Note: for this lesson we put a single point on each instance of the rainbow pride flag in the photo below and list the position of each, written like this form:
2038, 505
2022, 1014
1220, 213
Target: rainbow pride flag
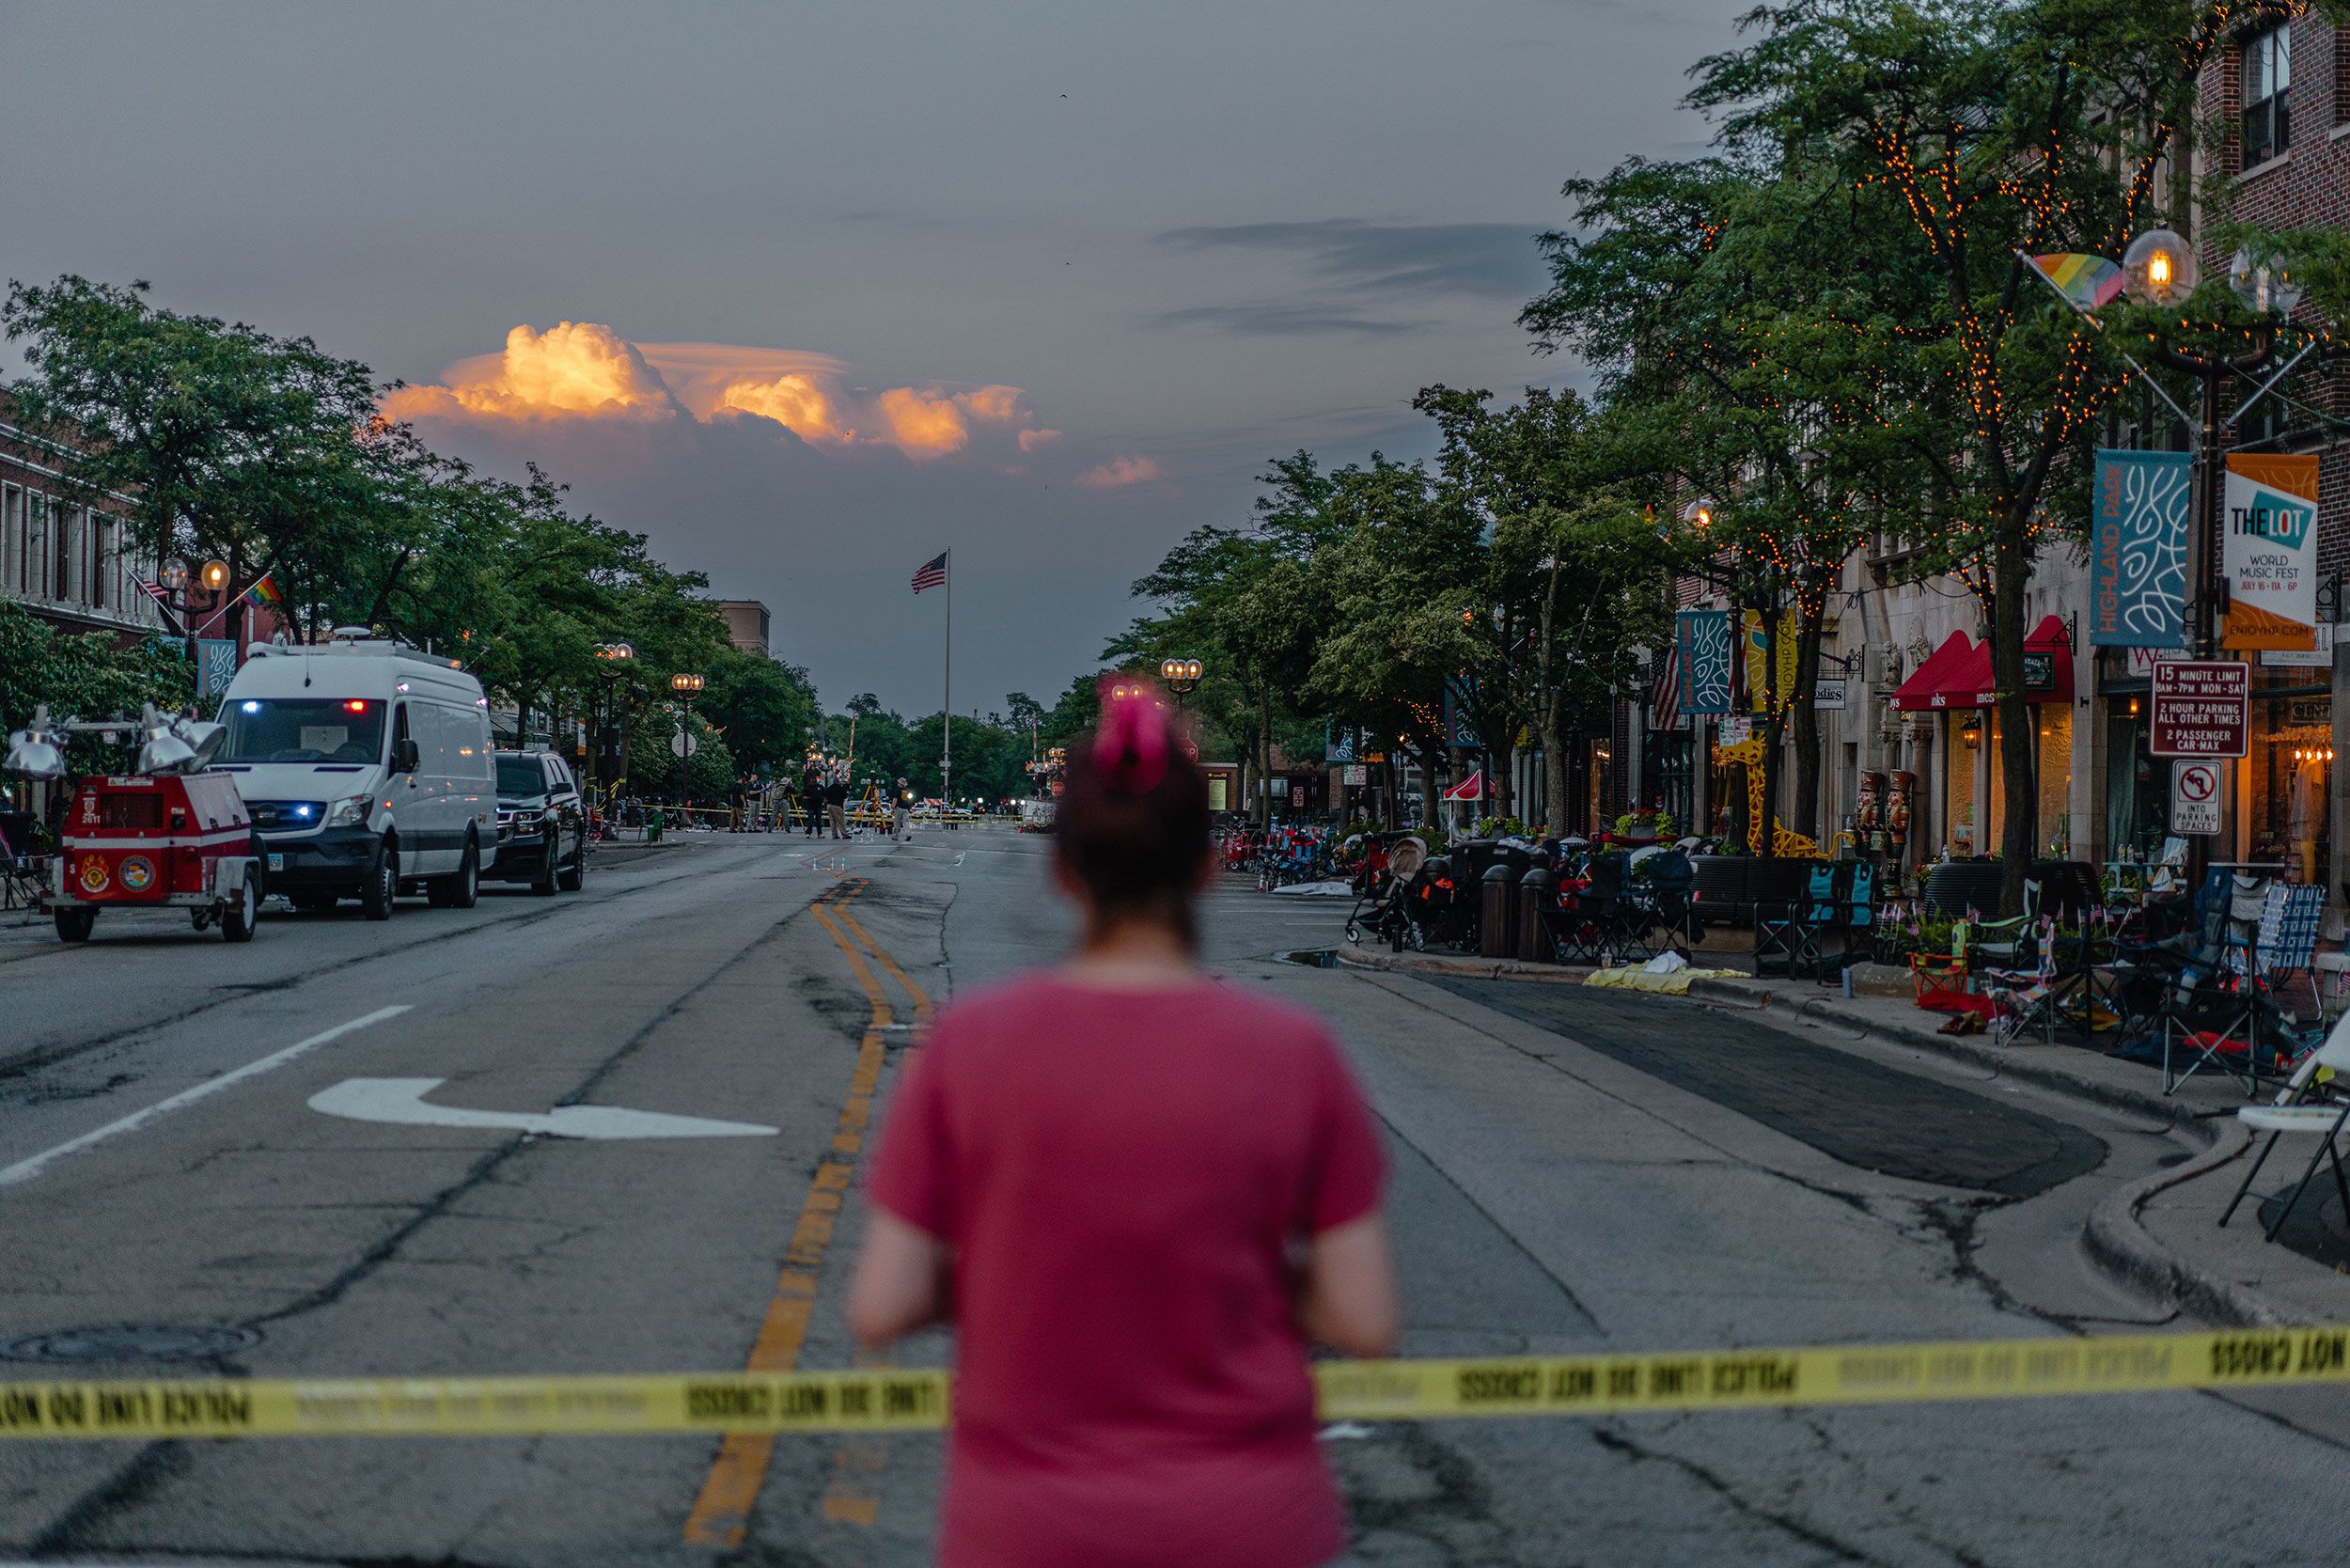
2090, 282
264, 594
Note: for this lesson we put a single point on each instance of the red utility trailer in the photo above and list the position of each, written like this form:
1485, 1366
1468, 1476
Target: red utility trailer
178, 840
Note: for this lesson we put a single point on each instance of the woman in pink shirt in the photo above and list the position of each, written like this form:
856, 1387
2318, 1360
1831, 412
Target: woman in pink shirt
1139, 1195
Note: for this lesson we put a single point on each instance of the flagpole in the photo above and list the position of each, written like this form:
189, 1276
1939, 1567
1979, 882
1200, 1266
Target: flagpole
946, 716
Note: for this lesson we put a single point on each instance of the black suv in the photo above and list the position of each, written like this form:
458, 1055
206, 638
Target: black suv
542, 827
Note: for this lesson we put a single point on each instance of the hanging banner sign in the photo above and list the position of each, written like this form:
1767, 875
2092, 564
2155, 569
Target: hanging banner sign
1758, 651
1460, 712
2137, 550
1704, 644
2270, 551
216, 664
2201, 708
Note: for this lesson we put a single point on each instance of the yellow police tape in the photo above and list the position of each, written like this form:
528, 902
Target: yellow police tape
888, 1400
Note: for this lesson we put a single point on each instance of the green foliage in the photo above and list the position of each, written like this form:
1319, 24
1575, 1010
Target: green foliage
86, 675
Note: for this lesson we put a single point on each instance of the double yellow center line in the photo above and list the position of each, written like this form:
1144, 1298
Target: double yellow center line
721, 1514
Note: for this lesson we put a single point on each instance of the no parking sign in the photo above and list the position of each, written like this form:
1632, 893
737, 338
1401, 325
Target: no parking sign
2195, 786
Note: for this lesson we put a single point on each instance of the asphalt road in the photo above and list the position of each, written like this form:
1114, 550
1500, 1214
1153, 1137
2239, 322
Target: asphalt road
1572, 1172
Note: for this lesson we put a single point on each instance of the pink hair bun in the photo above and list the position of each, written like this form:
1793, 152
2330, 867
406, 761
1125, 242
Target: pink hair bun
1132, 746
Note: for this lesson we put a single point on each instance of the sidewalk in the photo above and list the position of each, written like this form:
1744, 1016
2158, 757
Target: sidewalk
2159, 1236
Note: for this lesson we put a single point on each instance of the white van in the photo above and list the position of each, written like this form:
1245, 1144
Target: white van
367, 768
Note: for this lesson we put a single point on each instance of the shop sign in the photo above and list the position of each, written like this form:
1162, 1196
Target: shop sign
2270, 553
2137, 550
2319, 657
2196, 783
2143, 660
2201, 708
2040, 669
1827, 693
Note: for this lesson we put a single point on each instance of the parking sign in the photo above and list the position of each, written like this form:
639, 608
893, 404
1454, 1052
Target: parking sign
2195, 786
2201, 708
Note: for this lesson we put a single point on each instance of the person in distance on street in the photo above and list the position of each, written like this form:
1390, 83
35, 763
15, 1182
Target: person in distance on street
902, 811
1138, 1195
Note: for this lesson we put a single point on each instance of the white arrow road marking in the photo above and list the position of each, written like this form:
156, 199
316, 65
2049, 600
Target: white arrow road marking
400, 1101
959, 857
24, 1171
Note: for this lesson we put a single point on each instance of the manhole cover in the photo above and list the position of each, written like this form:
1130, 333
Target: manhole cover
130, 1341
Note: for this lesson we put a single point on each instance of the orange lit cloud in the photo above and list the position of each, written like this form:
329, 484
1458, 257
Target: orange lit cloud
586, 371
1119, 472
573, 367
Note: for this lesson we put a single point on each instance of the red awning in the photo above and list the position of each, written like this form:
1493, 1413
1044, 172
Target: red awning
1969, 684
1924, 687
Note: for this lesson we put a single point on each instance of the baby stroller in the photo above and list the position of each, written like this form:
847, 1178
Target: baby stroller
1379, 905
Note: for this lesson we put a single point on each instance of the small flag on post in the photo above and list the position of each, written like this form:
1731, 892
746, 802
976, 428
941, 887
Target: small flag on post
263, 594
930, 574
2090, 282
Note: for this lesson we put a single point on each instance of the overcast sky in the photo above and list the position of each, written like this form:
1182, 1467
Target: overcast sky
811, 293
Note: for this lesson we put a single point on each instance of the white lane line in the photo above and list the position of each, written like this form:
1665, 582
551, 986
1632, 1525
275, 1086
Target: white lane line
25, 1170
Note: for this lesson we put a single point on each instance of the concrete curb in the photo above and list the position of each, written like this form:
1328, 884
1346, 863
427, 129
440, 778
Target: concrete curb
2122, 1247
1461, 967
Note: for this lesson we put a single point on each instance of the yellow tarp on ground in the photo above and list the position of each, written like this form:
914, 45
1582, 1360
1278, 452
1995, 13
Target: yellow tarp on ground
1674, 985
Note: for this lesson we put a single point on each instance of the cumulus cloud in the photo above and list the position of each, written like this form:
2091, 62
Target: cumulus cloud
1119, 472
1032, 440
571, 369
586, 371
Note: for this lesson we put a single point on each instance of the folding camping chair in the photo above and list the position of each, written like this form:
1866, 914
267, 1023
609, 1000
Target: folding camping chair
2292, 1113
1596, 924
2196, 1001
1668, 903
2287, 941
2028, 997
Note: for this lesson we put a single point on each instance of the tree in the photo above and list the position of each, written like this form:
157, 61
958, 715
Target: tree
1999, 130
1751, 324
226, 441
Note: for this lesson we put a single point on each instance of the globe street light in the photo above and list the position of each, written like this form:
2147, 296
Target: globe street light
1181, 676
687, 687
613, 661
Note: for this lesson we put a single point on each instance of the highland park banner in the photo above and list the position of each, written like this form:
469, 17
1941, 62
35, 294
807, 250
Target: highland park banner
1705, 658
2137, 550
2270, 554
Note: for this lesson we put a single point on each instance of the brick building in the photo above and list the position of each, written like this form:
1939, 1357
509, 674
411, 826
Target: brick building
74, 566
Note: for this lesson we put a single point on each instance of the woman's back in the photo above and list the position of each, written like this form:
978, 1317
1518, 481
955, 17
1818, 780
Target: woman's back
1121, 1177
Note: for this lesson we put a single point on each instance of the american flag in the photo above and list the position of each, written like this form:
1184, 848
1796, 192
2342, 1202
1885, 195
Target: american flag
153, 591
930, 574
1664, 702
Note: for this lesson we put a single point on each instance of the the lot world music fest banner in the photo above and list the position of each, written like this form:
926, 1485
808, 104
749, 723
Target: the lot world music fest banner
2269, 525
2137, 550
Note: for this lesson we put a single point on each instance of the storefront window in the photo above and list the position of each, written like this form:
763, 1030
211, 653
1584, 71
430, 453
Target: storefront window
2138, 784
2291, 769
1958, 796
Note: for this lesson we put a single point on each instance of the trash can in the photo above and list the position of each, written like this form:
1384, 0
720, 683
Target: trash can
1497, 910
1537, 890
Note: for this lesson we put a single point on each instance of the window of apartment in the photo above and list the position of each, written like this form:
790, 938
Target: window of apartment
11, 540
63, 519
97, 562
36, 545
2268, 94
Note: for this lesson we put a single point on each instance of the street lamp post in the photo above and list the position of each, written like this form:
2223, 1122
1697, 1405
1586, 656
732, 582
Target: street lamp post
687, 687
613, 662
